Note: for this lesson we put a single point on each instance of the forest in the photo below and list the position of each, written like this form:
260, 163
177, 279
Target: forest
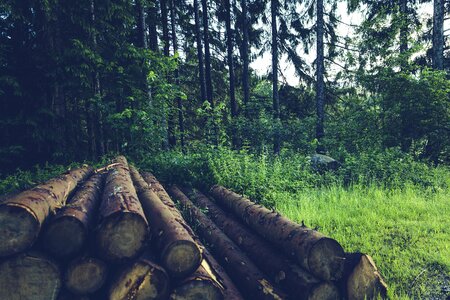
244, 94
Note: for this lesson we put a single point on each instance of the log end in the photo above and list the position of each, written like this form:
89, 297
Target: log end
19, 228
85, 276
326, 259
197, 289
122, 236
325, 291
29, 276
365, 282
181, 258
141, 280
64, 237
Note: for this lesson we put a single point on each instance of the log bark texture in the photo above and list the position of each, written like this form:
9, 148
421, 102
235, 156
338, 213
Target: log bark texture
144, 279
202, 284
361, 278
179, 254
299, 283
85, 275
252, 282
123, 229
29, 276
215, 270
318, 254
67, 232
22, 215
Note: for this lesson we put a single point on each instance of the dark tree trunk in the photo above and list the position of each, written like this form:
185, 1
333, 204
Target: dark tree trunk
318, 254
438, 35
201, 66
208, 79
176, 75
22, 215
320, 84
141, 27
152, 26
275, 96
167, 120
233, 103
403, 4
245, 59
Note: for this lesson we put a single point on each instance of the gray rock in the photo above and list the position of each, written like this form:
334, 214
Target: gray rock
320, 162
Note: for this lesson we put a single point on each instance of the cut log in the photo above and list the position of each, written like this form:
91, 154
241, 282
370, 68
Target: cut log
318, 254
179, 254
202, 284
22, 215
299, 283
215, 270
143, 279
85, 275
67, 232
251, 281
361, 278
29, 276
123, 227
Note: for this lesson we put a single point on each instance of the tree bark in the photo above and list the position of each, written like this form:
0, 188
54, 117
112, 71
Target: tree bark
177, 74
318, 254
216, 271
141, 27
361, 278
296, 281
275, 96
245, 59
320, 84
152, 28
404, 27
208, 79
22, 215
201, 66
29, 276
85, 275
246, 275
438, 35
166, 120
67, 232
179, 254
123, 229
143, 279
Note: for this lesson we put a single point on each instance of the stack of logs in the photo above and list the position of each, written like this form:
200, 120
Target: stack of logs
116, 233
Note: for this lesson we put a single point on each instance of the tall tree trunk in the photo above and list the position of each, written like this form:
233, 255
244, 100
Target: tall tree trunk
320, 84
176, 75
438, 35
165, 29
141, 36
275, 97
245, 78
403, 4
201, 66
152, 28
233, 103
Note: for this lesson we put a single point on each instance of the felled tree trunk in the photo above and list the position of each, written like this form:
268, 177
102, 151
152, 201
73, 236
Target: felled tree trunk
179, 254
68, 230
22, 215
299, 283
361, 278
320, 255
29, 276
85, 275
253, 284
144, 279
123, 227
214, 270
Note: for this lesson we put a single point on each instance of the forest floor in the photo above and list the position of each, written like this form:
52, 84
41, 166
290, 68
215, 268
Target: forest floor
394, 209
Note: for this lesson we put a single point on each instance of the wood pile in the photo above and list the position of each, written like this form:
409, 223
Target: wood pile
119, 234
